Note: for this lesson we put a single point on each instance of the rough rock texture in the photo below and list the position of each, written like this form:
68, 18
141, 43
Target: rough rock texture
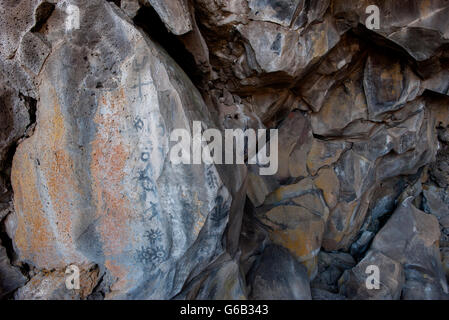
406, 251
85, 178
52, 286
223, 280
277, 275
101, 189
10, 277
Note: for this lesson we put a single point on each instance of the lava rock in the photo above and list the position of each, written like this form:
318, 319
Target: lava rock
279, 276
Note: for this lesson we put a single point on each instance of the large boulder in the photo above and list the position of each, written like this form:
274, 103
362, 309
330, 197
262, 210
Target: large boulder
95, 184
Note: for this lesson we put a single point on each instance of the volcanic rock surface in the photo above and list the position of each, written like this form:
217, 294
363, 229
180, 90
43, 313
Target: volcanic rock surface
90, 91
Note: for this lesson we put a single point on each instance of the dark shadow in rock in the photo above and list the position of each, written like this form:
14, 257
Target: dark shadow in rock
149, 21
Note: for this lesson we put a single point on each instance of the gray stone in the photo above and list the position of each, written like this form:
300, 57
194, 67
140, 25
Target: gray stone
345, 104
52, 286
14, 119
130, 7
85, 118
18, 18
10, 277
222, 282
436, 202
275, 47
331, 266
419, 28
279, 276
407, 254
33, 51
353, 282
319, 294
174, 13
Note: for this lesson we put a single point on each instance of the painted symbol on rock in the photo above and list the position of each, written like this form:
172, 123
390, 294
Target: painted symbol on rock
145, 156
211, 179
138, 124
138, 68
151, 210
153, 236
221, 210
146, 182
151, 257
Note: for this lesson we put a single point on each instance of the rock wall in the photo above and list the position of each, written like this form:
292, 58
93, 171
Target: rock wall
90, 91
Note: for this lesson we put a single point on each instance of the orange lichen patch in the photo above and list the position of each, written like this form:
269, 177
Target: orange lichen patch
296, 229
303, 241
43, 158
392, 74
199, 217
328, 182
121, 273
60, 178
109, 155
289, 191
425, 7
33, 238
299, 231
338, 224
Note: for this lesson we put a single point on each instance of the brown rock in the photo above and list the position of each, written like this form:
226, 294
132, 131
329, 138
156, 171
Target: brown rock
173, 8
294, 138
388, 85
323, 153
345, 104
298, 229
353, 282
328, 182
52, 286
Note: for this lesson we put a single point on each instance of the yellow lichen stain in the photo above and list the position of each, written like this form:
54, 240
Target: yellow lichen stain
319, 41
300, 242
425, 7
296, 229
